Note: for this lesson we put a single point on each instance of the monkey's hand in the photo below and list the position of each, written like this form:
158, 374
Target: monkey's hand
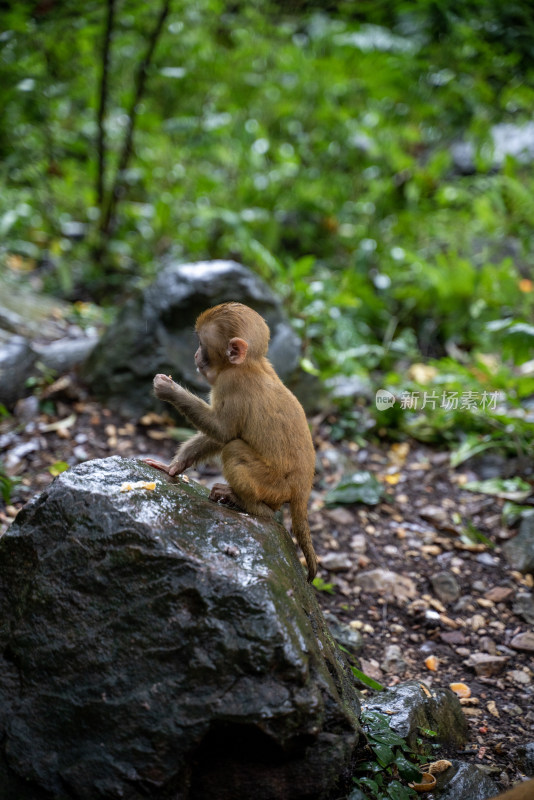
166, 389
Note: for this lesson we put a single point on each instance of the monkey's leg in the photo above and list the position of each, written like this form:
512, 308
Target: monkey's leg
254, 486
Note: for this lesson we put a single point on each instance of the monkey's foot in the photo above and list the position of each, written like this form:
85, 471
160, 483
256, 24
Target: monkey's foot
157, 464
222, 493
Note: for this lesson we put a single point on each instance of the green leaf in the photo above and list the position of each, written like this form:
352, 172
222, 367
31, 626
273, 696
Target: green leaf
367, 680
57, 468
511, 513
322, 586
472, 535
360, 487
397, 791
407, 770
507, 488
384, 754
471, 446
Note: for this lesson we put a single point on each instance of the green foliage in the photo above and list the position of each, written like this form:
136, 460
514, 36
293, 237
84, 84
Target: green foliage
323, 586
360, 487
7, 484
392, 767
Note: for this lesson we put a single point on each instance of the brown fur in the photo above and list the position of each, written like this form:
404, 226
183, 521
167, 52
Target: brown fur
522, 791
253, 422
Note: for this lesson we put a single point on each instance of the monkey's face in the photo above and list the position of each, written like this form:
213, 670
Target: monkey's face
204, 364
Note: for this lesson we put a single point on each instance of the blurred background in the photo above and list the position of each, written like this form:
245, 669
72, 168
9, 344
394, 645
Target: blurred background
372, 161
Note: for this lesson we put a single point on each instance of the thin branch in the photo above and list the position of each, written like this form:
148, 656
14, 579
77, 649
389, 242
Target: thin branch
102, 106
126, 152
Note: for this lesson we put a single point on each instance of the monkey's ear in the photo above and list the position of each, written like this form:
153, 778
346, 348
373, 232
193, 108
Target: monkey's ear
236, 350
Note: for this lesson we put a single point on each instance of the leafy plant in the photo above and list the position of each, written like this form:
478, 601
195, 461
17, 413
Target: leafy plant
7, 484
391, 767
323, 586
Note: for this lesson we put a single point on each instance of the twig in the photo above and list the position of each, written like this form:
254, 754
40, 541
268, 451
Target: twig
126, 152
104, 91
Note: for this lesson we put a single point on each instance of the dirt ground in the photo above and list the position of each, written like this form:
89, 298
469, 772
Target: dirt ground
415, 532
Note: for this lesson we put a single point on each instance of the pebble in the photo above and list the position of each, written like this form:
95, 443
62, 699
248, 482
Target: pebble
523, 641
477, 622
336, 562
485, 664
519, 676
445, 586
384, 581
524, 607
358, 543
393, 660
499, 594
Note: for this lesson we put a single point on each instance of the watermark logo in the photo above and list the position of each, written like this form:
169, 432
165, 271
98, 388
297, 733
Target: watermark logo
384, 399
448, 400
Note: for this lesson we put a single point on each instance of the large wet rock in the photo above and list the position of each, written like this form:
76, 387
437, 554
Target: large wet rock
412, 707
155, 644
464, 782
154, 332
17, 361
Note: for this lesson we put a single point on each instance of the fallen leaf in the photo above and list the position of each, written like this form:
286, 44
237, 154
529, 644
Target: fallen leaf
68, 422
460, 689
431, 663
492, 708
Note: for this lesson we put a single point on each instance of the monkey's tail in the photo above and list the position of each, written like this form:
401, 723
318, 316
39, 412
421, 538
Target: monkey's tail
301, 530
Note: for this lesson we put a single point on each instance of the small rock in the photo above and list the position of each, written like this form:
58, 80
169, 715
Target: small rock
433, 514
340, 516
337, 562
519, 551
393, 661
488, 645
519, 676
453, 637
487, 560
524, 607
371, 668
358, 543
27, 408
390, 584
477, 622
486, 664
513, 710
80, 453
499, 594
523, 641
346, 635
445, 586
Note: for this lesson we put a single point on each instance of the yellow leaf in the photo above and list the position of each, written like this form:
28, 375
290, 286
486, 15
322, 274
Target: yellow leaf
431, 663
460, 689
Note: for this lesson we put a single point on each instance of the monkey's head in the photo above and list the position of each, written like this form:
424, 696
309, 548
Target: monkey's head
229, 334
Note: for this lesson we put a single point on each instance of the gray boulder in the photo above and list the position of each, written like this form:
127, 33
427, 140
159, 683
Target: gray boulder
155, 644
154, 332
464, 782
17, 361
414, 710
519, 551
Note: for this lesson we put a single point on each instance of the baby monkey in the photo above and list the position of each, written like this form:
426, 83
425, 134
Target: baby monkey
252, 421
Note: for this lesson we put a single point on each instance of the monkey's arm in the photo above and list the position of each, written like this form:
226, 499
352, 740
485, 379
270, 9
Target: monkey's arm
198, 449
197, 411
